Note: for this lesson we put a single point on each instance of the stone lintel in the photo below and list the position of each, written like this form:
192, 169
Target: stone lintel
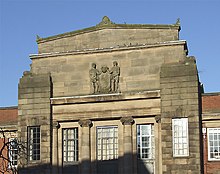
105, 97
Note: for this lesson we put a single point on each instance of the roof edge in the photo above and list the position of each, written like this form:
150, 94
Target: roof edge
106, 23
8, 107
211, 94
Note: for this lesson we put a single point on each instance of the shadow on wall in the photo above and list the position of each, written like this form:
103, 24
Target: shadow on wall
116, 166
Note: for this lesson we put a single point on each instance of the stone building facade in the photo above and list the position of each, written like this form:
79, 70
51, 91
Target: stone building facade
113, 98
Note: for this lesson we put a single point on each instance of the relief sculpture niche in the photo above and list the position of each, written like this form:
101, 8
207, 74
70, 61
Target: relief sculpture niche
105, 80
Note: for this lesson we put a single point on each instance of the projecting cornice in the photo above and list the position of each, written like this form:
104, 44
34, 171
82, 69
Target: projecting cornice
106, 23
110, 49
105, 97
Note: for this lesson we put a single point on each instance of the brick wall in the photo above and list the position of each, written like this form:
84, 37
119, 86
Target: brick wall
211, 119
211, 102
8, 115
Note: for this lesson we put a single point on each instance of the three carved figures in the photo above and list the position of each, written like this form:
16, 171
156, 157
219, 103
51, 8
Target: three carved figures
105, 80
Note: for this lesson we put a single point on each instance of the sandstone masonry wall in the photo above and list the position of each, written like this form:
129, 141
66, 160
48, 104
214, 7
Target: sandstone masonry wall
139, 68
34, 110
180, 99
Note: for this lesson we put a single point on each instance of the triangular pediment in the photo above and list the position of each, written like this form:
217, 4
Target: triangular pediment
108, 34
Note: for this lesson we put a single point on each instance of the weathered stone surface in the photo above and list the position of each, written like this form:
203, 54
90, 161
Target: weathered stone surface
180, 98
108, 35
34, 104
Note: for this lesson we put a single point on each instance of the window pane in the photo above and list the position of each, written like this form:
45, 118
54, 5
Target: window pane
214, 143
13, 152
34, 142
180, 137
145, 141
70, 145
107, 143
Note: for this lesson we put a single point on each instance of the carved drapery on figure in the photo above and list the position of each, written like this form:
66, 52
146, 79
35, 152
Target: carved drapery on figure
105, 80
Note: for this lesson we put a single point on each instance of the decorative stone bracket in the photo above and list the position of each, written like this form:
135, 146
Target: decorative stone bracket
56, 125
85, 123
127, 120
158, 118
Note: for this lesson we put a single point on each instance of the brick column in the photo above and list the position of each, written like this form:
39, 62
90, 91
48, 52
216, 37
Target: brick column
55, 164
128, 153
85, 146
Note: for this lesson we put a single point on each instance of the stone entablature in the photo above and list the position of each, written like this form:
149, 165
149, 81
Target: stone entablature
106, 106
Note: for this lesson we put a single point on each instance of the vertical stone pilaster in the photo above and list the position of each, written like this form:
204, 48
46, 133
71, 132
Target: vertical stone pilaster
85, 146
128, 153
55, 165
158, 145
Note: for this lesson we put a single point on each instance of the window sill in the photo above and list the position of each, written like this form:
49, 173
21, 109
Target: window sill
34, 162
213, 160
70, 163
187, 156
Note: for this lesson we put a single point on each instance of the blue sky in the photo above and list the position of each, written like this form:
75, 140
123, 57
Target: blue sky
22, 20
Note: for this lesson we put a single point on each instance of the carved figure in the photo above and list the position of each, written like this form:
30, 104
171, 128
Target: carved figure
94, 78
115, 73
105, 80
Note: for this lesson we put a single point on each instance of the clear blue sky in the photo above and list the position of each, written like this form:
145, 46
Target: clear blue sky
22, 20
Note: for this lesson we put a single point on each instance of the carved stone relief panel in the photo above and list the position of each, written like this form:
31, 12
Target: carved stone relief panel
104, 80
